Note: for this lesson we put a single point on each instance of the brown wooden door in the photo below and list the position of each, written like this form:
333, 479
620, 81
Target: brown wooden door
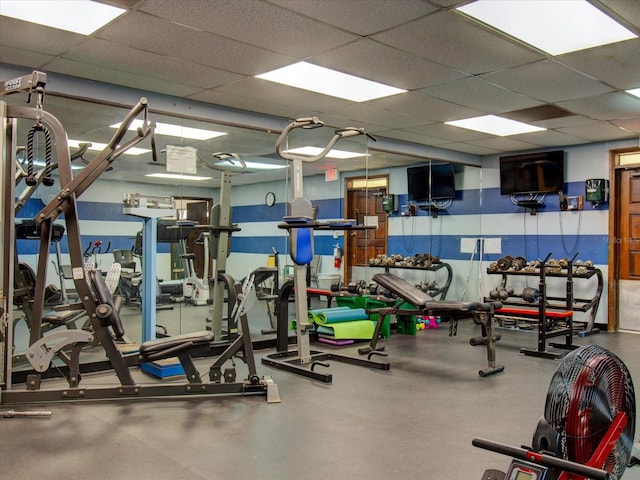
199, 212
361, 245
627, 249
629, 253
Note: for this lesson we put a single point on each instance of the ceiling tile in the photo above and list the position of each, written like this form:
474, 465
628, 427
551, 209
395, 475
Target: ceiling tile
15, 56
299, 102
547, 80
263, 25
597, 131
108, 54
469, 148
605, 107
448, 132
379, 62
35, 38
550, 138
413, 137
537, 114
627, 11
570, 121
504, 144
617, 64
425, 107
376, 114
363, 17
632, 125
228, 99
116, 77
448, 38
481, 95
146, 32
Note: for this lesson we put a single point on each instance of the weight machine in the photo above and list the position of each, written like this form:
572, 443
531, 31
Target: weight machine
95, 298
300, 224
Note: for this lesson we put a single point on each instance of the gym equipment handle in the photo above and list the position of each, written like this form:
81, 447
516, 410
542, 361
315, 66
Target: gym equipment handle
541, 459
126, 123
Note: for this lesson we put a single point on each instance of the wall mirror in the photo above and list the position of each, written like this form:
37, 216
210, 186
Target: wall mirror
110, 235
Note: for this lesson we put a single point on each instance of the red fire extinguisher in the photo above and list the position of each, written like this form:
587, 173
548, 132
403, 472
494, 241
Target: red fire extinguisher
337, 256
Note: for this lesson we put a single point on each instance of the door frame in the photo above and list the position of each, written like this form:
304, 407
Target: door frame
347, 264
613, 307
181, 203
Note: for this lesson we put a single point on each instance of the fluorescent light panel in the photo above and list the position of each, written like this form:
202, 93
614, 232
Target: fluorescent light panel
313, 151
254, 165
172, 130
77, 16
175, 176
634, 91
554, 26
40, 163
495, 125
329, 82
101, 146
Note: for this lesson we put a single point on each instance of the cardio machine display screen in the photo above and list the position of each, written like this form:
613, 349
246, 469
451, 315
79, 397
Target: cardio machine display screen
520, 470
520, 475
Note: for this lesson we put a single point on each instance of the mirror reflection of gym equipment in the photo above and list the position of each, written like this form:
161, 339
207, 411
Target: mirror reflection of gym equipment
96, 298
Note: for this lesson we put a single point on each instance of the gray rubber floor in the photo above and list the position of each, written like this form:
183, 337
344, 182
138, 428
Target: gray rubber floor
415, 421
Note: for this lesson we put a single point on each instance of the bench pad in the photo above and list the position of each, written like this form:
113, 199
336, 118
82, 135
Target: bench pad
161, 344
418, 298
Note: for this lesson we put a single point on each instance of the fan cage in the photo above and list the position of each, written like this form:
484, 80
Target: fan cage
589, 388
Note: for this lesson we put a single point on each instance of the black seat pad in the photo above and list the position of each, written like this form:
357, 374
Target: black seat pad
161, 344
418, 298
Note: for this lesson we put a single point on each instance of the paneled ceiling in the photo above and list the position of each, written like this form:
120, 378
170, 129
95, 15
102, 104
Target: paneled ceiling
210, 51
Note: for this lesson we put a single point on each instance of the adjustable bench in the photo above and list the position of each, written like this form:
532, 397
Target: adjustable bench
453, 311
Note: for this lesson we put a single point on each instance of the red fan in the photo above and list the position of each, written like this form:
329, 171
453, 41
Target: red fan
588, 424
591, 404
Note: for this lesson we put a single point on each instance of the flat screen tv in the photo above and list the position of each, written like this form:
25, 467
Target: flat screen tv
532, 173
435, 182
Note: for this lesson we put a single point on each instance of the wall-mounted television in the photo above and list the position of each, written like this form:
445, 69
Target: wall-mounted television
541, 172
435, 182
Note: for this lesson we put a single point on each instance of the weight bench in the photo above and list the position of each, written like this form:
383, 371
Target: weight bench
482, 313
181, 346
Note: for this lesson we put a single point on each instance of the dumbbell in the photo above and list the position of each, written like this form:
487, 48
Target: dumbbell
530, 294
519, 263
356, 287
501, 293
505, 262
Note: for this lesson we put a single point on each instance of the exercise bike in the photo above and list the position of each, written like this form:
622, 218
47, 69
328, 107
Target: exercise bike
588, 424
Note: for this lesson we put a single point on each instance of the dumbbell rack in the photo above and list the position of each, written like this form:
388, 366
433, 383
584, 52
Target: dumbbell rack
562, 308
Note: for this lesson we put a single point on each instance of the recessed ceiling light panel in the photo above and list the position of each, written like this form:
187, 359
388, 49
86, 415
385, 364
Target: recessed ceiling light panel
257, 165
175, 176
495, 125
179, 131
553, 26
313, 151
101, 146
329, 82
77, 16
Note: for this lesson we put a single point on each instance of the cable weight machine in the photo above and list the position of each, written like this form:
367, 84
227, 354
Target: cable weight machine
95, 298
